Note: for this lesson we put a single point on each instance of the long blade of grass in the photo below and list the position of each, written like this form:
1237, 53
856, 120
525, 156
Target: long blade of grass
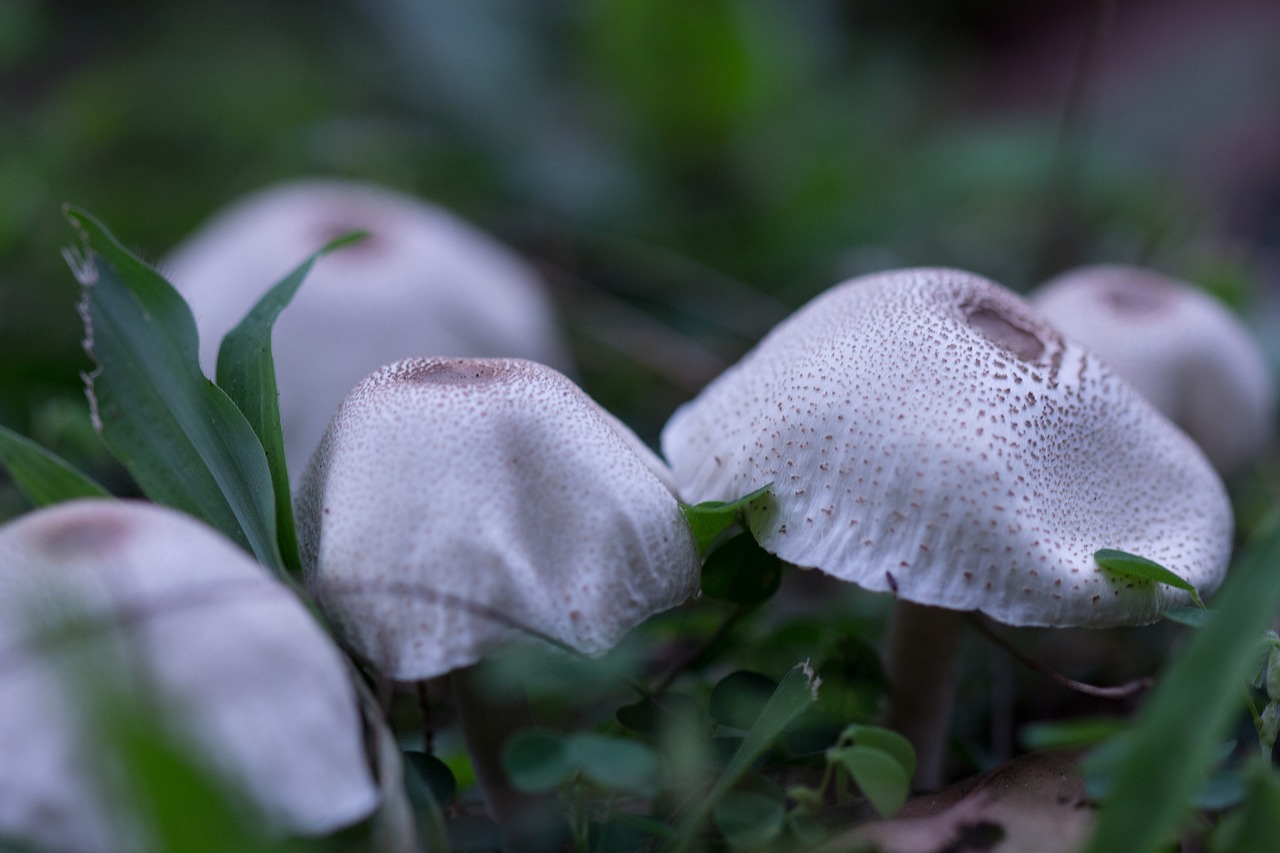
1189, 714
247, 372
797, 691
181, 436
43, 476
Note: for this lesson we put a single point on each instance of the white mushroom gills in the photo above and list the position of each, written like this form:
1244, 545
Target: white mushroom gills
926, 432
456, 504
253, 682
424, 281
1184, 351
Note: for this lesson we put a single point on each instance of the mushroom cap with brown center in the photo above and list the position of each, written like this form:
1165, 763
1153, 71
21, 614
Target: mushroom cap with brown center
423, 281
175, 612
926, 430
1181, 349
457, 504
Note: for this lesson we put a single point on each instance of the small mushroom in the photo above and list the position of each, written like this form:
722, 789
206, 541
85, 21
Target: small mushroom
1180, 348
927, 433
454, 503
241, 670
422, 281
458, 505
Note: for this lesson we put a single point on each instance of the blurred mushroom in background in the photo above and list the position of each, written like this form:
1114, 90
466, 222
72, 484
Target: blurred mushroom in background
423, 281
1185, 352
104, 600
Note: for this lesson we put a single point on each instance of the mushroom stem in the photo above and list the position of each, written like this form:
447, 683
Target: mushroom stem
921, 654
488, 719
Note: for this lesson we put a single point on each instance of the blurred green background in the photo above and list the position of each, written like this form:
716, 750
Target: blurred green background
684, 172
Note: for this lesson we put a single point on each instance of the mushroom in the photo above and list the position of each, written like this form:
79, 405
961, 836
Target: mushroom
927, 433
1180, 348
422, 281
457, 505
242, 673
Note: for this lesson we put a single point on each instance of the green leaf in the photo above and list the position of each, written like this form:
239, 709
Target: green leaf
1190, 712
878, 774
44, 477
246, 371
179, 435
435, 774
1193, 617
619, 764
741, 571
1254, 826
1140, 568
711, 518
739, 697
536, 760
650, 716
796, 693
885, 740
749, 818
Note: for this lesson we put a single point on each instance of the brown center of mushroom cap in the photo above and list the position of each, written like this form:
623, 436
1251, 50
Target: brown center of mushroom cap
1006, 331
331, 229
1136, 297
455, 371
83, 534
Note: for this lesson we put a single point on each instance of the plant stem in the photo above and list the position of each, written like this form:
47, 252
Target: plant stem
1119, 691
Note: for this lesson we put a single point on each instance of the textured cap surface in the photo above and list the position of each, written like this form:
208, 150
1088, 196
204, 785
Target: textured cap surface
1182, 350
927, 425
453, 502
248, 674
424, 281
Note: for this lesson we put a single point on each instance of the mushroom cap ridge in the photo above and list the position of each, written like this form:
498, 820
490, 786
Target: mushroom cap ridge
926, 430
1184, 351
454, 501
251, 678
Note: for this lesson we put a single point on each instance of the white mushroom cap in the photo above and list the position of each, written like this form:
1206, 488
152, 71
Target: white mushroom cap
251, 679
423, 281
453, 502
1180, 348
929, 426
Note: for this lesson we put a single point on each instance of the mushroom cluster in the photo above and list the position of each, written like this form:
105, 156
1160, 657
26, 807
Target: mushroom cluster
167, 608
422, 281
926, 433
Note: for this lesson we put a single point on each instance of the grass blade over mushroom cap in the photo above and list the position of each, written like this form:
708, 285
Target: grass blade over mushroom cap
925, 429
454, 503
250, 679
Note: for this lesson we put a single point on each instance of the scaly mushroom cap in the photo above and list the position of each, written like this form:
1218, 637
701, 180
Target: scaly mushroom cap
249, 676
423, 281
1181, 349
455, 502
926, 428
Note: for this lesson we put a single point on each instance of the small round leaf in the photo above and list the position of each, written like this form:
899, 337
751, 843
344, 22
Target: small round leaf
435, 774
615, 763
741, 571
536, 760
883, 781
749, 818
739, 697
